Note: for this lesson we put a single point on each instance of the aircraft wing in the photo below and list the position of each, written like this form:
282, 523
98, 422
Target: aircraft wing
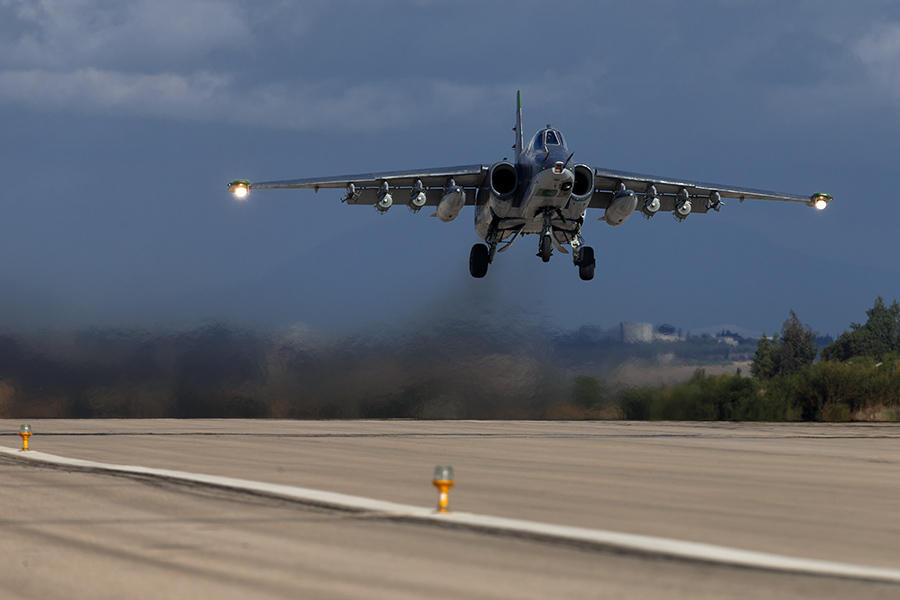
607, 181
366, 186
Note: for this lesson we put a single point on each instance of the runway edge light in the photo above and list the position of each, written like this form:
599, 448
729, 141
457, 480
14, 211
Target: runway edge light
443, 481
25, 433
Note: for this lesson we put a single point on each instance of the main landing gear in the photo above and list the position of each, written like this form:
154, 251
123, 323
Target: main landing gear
482, 255
479, 258
583, 256
584, 260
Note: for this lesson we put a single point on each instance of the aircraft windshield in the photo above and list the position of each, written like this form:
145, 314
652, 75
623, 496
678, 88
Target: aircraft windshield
552, 138
538, 142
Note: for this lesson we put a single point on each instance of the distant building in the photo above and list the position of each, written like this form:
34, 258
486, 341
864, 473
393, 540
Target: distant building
634, 333
729, 337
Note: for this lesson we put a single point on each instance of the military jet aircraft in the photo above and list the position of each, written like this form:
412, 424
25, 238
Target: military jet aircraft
542, 193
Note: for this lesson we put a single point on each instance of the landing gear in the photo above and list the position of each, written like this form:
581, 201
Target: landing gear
479, 258
545, 247
584, 258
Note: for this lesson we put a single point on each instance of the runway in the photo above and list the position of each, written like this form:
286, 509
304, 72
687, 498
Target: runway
816, 491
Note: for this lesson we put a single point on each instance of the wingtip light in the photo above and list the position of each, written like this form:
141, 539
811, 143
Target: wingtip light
820, 201
240, 188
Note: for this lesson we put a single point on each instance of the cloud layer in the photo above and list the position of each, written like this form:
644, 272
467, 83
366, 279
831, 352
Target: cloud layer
67, 34
162, 59
217, 61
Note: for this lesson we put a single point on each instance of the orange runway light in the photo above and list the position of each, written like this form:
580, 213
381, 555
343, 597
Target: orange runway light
443, 481
25, 433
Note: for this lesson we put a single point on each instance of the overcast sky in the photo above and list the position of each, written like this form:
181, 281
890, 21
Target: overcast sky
122, 122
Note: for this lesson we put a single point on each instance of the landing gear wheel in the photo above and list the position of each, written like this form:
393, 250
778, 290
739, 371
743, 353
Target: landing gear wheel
586, 263
479, 258
546, 248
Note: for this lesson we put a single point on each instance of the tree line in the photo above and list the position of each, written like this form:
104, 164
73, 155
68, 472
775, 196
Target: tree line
855, 377
459, 372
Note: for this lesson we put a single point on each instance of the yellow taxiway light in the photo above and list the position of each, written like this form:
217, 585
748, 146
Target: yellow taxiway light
25, 433
443, 481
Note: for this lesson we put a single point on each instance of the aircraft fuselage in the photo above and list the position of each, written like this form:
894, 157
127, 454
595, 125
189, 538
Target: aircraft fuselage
545, 180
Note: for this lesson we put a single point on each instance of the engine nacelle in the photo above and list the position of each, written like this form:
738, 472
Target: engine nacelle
582, 187
620, 207
503, 180
451, 203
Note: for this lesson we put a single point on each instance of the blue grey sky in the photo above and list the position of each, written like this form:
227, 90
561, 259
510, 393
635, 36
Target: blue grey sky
122, 121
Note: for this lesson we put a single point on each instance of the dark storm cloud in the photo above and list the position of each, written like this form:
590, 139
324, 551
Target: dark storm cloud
122, 121
189, 60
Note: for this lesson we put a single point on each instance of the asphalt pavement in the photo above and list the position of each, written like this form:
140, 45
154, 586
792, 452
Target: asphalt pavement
814, 491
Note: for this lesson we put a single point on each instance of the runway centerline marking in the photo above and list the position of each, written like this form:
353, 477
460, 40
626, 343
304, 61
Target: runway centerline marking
635, 543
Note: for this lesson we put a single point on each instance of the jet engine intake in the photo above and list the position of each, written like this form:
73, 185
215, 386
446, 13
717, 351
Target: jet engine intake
451, 203
620, 207
582, 187
503, 180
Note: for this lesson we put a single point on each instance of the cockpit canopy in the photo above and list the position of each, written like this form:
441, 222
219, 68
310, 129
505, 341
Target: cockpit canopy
547, 139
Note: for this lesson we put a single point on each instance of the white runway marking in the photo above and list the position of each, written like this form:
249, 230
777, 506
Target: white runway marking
609, 539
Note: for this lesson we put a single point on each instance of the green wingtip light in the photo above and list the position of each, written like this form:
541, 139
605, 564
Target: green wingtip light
820, 200
240, 188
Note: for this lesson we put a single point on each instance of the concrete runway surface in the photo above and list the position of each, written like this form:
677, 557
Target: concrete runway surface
816, 491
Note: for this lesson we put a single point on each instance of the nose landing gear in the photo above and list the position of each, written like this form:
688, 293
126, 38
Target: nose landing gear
545, 246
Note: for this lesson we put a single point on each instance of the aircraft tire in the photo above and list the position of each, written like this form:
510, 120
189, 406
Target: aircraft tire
586, 272
479, 258
546, 248
585, 256
586, 263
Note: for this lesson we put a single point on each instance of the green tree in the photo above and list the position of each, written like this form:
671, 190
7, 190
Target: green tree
877, 337
765, 361
795, 349
589, 392
798, 346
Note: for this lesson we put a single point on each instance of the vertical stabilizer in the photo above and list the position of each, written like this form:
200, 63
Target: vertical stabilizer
520, 135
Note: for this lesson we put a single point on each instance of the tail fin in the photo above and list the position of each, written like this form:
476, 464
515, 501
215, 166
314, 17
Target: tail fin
520, 135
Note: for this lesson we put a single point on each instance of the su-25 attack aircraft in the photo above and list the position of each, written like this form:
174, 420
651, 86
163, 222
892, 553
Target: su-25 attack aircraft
541, 193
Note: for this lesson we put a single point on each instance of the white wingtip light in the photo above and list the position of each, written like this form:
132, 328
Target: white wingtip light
820, 201
240, 188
